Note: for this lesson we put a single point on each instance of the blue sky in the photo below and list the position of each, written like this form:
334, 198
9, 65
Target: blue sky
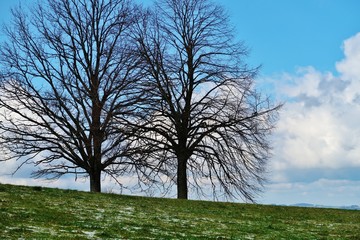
310, 56
286, 34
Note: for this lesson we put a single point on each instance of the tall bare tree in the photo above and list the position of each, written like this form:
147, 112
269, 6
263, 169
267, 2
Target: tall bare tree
68, 76
205, 121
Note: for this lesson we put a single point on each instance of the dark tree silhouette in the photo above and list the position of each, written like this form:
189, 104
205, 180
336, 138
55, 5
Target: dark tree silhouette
69, 76
205, 120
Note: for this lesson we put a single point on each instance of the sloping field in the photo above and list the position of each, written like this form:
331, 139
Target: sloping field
44, 213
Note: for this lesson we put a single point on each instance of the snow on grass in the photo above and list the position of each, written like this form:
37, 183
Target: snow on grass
62, 214
89, 234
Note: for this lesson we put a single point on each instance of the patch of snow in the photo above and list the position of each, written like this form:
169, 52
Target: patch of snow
89, 235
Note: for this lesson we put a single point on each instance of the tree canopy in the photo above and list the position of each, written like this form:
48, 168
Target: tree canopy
205, 122
108, 86
68, 71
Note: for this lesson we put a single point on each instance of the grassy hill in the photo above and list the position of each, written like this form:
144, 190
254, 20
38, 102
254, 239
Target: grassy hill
34, 212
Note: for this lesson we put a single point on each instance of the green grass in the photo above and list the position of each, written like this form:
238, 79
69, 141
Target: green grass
45, 213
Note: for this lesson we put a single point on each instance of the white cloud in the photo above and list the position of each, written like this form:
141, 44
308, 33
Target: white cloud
320, 192
349, 66
319, 125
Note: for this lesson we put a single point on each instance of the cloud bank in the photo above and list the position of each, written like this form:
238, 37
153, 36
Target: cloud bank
318, 135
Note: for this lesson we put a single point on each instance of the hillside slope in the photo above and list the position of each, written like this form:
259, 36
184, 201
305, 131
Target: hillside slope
34, 212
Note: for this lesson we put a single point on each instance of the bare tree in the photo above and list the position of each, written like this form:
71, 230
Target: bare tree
205, 121
68, 76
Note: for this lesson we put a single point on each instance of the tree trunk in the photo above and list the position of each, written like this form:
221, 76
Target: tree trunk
96, 135
182, 188
95, 181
